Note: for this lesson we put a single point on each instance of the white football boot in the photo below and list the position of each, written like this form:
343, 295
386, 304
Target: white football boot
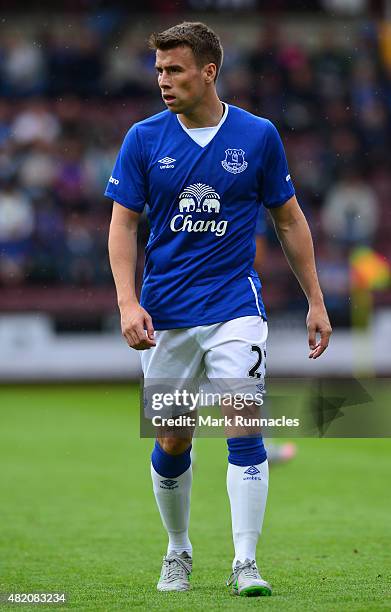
175, 574
247, 582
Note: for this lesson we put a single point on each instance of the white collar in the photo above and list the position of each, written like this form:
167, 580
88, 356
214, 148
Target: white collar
203, 135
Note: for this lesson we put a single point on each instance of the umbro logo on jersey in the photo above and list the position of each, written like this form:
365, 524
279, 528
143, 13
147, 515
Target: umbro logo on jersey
288, 177
167, 162
113, 180
168, 484
252, 472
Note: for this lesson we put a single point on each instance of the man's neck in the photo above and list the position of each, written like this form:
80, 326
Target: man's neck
207, 115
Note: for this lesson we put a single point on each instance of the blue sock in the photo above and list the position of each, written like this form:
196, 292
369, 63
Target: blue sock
170, 466
246, 451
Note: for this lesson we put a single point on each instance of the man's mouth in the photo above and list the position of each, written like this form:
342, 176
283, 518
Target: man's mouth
168, 98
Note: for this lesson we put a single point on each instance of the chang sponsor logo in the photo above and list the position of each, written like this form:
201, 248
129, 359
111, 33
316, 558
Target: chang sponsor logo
199, 198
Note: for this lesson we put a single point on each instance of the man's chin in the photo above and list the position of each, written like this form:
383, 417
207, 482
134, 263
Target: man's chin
174, 107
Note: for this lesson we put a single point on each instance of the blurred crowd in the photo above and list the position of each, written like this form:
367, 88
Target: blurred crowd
68, 98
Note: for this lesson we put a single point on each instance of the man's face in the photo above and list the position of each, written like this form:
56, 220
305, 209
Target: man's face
181, 81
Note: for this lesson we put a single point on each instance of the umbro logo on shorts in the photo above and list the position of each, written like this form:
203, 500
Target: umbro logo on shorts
167, 162
168, 484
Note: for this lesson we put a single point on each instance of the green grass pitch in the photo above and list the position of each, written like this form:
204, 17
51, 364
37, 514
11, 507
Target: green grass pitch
77, 513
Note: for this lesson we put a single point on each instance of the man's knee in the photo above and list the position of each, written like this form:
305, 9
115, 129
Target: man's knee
174, 445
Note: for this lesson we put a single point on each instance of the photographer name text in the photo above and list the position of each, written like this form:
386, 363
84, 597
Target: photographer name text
237, 420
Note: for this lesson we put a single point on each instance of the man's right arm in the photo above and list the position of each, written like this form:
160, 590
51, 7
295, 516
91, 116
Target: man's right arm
136, 323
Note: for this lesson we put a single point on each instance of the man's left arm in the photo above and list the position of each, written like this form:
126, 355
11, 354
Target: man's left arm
294, 234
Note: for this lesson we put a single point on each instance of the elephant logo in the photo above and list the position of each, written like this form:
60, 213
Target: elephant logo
234, 161
211, 205
186, 204
198, 198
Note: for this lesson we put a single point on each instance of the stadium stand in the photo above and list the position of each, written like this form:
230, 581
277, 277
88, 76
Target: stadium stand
69, 94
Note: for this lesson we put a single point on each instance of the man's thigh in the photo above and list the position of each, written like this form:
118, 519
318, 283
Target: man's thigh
237, 349
172, 371
235, 365
177, 355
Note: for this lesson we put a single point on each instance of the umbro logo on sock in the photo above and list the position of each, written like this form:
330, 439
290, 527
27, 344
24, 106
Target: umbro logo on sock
168, 484
252, 472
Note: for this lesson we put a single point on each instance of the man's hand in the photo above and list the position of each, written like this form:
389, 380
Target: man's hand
318, 322
137, 328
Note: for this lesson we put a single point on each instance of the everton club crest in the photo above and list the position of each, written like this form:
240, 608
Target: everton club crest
234, 161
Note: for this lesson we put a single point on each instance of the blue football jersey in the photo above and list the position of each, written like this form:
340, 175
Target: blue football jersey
261, 223
202, 208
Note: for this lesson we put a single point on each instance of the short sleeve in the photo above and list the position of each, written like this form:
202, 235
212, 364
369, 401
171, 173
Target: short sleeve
127, 183
276, 183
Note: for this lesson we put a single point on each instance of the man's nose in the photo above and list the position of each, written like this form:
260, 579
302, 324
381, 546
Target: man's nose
164, 81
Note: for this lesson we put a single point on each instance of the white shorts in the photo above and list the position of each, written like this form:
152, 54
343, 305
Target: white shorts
209, 355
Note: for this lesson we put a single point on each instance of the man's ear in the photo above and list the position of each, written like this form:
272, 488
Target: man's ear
210, 73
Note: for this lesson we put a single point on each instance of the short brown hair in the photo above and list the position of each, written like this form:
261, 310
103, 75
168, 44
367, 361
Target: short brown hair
204, 43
